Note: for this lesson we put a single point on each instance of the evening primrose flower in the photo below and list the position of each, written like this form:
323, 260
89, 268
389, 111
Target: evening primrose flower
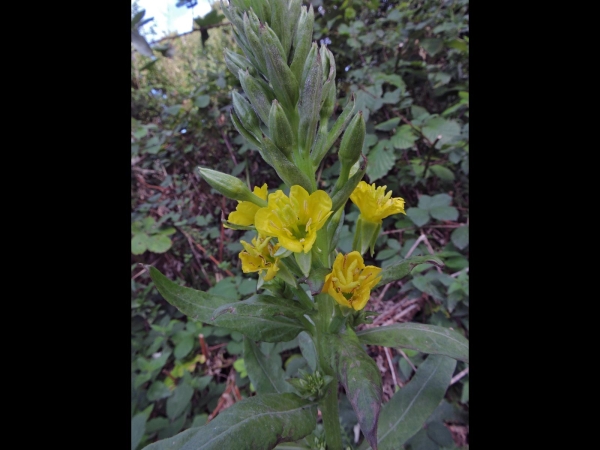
374, 204
294, 220
245, 210
258, 256
350, 281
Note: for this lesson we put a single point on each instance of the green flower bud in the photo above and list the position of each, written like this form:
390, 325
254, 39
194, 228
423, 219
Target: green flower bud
341, 195
302, 41
352, 142
321, 150
254, 43
230, 186
236, 62
281, 130
280, 26
262, 10
293, 14
246, 114
309, 106
238, 126
260, 98
285, 84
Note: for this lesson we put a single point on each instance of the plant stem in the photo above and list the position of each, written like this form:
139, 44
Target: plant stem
329, 403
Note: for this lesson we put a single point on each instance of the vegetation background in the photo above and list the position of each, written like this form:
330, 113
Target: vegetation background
407, 64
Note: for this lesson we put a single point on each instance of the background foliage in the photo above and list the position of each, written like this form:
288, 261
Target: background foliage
407, 65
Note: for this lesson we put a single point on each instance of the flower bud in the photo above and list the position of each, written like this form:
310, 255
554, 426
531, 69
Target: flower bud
281, 130
230, 186
321, 150
302, 40
238, 126
351, 147
236, 62
309, 105
260, 98
341, 195
246, 114
254, 42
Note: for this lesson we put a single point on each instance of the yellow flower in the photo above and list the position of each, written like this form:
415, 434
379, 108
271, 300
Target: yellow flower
245, 211
258, 256
350, 281
294, 220
374, 203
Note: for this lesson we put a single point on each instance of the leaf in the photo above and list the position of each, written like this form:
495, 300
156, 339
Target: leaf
140, 44
255, 423
202, 101
308, 350
381, 160
425, 285
139, 243
437, 200
157, 391
184, 346
403, 268
419, 216
460, 237
177, 403
197, 305
438, 126
404, 137
404, 415
361, 379
138, 428
388, 124
442, 172
416, 336
432, 45
159, 243
265, 372
444, 213
261, 317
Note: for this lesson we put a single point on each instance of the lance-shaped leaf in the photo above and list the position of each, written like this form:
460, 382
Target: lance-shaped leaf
255, 423
262, 318
236, 62
281, 130
310, 105
288, 172
403, 416
197, 305
339, 125
281, 25
417, 336
238, 126
262, 10
307, 347
302, 40
403, 268
361, 379
254, 42
292, 17
265, 372
285, 84
260, 98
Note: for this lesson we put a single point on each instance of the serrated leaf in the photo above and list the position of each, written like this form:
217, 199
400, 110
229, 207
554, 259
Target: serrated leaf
416, 336
403, 268
442, 172
197, 305
438, 126
139, 243
361, 379
403, 416
255, 423
444, 213
404, 137
181, 397
265, 372
159, 243
388, 124
419, 216
262, 318
460, 237
381, 160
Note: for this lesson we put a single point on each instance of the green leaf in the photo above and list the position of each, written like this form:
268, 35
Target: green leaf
184, 346
202, 101
197, 305
388, 124
404, 415
438, 126
157, 391
432, 45
262, 318
255, 423
444, 213
265, 372
425, 285
419, 216
404, 138
416, 336
159, 243
139, 243
403, 268
442, 172
438, 200
460, 237
138, 428
177, 403
308, 350
381, 160
361, 379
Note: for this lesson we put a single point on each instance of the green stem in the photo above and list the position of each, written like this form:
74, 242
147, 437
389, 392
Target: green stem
329, 403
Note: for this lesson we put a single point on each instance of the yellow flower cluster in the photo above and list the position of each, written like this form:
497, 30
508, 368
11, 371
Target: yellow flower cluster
374, 204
